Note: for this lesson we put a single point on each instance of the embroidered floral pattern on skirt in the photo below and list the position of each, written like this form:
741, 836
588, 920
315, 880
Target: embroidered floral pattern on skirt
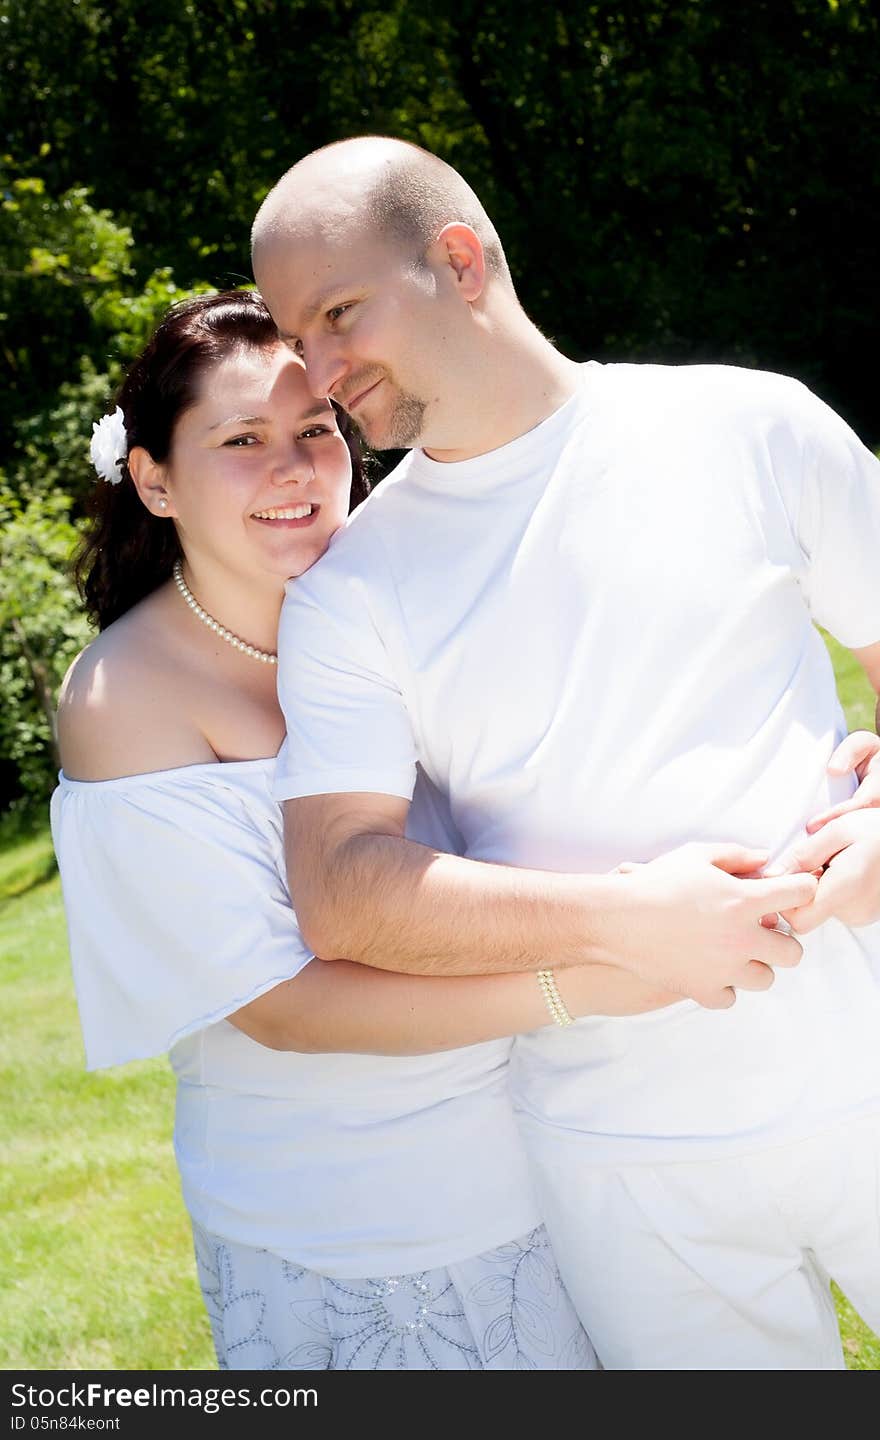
503, 1310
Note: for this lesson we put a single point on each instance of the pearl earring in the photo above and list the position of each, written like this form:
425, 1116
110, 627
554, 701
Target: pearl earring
163, 504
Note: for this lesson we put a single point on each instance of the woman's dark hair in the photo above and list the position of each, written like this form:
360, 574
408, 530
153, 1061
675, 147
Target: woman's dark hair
127, 552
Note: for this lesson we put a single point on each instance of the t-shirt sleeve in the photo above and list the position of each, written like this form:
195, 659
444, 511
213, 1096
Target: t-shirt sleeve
348, 729
838, 523
177, 914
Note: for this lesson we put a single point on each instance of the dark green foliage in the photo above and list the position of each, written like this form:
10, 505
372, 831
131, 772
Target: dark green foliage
679, 179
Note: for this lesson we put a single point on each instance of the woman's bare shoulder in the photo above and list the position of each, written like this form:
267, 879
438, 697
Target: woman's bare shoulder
124, 704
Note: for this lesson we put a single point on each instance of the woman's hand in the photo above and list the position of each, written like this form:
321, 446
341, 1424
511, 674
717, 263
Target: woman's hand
859, 753
846, 850
842, 845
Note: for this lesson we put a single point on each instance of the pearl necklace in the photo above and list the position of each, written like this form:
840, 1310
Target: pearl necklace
266, 656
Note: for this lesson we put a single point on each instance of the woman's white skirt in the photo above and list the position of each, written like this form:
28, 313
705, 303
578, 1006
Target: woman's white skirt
506, 1309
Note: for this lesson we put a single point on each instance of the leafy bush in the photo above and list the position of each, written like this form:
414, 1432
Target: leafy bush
41, 630
74, 315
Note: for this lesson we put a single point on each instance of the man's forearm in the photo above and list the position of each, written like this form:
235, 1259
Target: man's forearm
683, 922
395, 905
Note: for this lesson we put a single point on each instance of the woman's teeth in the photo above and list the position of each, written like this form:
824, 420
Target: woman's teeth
294, 512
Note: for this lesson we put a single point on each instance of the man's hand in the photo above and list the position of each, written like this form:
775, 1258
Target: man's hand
695, 925
859, 753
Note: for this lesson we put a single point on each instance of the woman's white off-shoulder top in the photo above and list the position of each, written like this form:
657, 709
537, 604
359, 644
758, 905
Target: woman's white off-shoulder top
178, 914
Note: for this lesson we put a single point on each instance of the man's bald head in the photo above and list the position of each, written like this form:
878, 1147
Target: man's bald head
386, 184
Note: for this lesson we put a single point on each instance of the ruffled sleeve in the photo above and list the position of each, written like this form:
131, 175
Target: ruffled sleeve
177, 909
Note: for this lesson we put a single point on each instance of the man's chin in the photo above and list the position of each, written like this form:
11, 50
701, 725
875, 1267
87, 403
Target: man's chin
397, 426
384, 437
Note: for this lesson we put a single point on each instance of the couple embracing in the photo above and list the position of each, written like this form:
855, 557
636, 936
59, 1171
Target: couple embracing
488, 863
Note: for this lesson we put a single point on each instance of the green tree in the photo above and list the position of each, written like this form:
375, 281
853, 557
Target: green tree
58, 255
41, 630
68, 262
674, 179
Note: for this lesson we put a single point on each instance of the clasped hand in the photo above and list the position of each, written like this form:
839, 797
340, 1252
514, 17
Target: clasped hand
708, 929
702, 921
842, 845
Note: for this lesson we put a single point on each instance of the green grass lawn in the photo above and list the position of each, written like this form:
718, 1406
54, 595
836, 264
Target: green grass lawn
855, 693
96, 1269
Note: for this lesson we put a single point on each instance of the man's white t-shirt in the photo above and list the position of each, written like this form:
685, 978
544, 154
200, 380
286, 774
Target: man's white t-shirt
599, 641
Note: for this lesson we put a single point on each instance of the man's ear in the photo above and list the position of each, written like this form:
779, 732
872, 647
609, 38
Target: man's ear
460, 249
149, 480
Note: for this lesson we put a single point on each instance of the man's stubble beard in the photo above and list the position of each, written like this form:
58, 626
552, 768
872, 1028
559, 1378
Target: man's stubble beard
402, 428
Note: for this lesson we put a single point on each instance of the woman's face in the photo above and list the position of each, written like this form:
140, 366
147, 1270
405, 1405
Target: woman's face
258, 477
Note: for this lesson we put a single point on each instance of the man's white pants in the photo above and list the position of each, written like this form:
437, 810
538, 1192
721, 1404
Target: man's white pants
716, 1265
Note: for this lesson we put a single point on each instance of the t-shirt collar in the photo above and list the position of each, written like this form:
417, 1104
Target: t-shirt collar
515, 457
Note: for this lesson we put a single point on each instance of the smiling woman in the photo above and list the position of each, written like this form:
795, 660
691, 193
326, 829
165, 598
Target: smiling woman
232, 338
254, 496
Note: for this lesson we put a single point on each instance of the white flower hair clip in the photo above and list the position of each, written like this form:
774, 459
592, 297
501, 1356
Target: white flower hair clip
109, 446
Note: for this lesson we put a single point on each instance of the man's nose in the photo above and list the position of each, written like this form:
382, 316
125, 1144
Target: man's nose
325, 366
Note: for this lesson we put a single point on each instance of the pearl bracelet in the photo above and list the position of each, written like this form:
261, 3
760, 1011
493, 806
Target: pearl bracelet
552, 998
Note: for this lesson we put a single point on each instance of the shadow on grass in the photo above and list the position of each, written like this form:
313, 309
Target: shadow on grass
25, 864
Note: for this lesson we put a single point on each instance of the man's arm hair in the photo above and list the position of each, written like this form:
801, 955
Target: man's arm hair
361, 889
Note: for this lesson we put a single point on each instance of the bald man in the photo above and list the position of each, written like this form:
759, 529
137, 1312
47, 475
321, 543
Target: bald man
584, 603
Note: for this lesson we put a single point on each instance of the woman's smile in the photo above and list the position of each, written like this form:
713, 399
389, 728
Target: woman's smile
295, 517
